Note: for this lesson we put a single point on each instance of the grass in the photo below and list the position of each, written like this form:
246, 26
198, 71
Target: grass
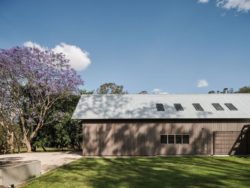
145, 172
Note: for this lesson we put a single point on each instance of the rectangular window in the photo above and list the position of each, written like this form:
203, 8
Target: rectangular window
175, 139
178, 107
198, 107
171, 139
231, 107
178, 139
160, 107
185, 139
217, 106
164, 139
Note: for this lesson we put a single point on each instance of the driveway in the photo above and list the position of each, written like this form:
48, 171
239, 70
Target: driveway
49, 160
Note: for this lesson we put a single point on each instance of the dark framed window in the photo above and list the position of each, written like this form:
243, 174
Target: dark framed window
198, 107
217, 106
160, 107
164, 139
231, 107
175, 139
171, 139
178, 107
185, 139
178, 139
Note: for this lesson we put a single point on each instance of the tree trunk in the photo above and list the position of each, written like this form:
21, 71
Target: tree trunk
44, 149
26, 140
27, 144
10, 141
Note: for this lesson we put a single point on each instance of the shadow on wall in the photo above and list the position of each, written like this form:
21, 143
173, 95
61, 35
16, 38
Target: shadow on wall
142, 139
131, 137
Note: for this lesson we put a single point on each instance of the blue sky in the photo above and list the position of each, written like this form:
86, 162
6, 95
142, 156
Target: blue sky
167, 45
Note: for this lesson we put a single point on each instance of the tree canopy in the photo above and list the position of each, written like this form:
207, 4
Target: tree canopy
245, 89
111, 88
31, 81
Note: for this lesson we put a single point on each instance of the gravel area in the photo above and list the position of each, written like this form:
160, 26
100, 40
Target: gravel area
49, 160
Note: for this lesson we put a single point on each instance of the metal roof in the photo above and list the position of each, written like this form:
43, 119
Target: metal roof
143, 106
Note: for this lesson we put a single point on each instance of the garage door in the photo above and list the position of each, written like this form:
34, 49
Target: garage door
224, 142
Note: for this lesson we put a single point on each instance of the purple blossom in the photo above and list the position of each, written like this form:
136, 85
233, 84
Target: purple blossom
43, 70
30, 77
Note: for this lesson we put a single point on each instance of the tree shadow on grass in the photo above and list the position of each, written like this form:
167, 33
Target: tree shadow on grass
206, 172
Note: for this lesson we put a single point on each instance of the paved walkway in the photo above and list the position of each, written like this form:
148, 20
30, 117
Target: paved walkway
49, 160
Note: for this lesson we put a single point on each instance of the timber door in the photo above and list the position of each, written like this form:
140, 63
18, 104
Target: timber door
226, 142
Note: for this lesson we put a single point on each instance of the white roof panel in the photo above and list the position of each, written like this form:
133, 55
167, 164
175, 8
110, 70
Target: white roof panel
143, 106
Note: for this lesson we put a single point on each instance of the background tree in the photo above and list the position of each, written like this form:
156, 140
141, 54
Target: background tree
225, 91
211, 92
110, 88
143, 92
62, 132
245, 89
32, 81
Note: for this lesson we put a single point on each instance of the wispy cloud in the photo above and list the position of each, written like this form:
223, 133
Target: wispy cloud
239, 5
203, 1
202, 83
158, 91
79, 59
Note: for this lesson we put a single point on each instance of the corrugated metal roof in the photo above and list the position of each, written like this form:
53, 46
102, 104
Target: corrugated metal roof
143, 106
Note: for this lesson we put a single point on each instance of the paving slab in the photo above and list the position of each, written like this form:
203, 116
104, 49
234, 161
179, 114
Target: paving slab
49, 160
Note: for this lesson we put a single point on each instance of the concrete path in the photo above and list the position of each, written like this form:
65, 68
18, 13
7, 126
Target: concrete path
49, 160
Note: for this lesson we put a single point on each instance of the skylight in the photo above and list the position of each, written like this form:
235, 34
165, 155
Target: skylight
160, 107
198, 107
217, 106
231, 107
178, 107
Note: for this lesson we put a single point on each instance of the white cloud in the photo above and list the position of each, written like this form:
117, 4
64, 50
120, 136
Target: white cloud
240, 5
79, 59
202, 83
203, 1
33, 45
158, 91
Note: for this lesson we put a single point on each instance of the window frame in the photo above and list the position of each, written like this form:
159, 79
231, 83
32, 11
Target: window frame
161, 138
169, 139
178, 107
174, 139
160, 107
231, 106
198, 107
215, 105
183, 138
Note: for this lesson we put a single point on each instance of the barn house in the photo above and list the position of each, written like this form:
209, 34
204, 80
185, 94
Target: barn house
142, 124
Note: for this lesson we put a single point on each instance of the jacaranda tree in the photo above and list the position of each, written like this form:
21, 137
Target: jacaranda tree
31, 82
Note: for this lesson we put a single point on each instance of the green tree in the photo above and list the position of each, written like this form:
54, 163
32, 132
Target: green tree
60, 130
245, 89
111, 88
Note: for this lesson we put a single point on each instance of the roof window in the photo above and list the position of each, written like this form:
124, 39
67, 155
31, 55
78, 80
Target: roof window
198, 107
160, 107
218, 107
231, 107
178, 107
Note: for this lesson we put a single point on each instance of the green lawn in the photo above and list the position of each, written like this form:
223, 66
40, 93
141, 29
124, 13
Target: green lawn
162, 172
